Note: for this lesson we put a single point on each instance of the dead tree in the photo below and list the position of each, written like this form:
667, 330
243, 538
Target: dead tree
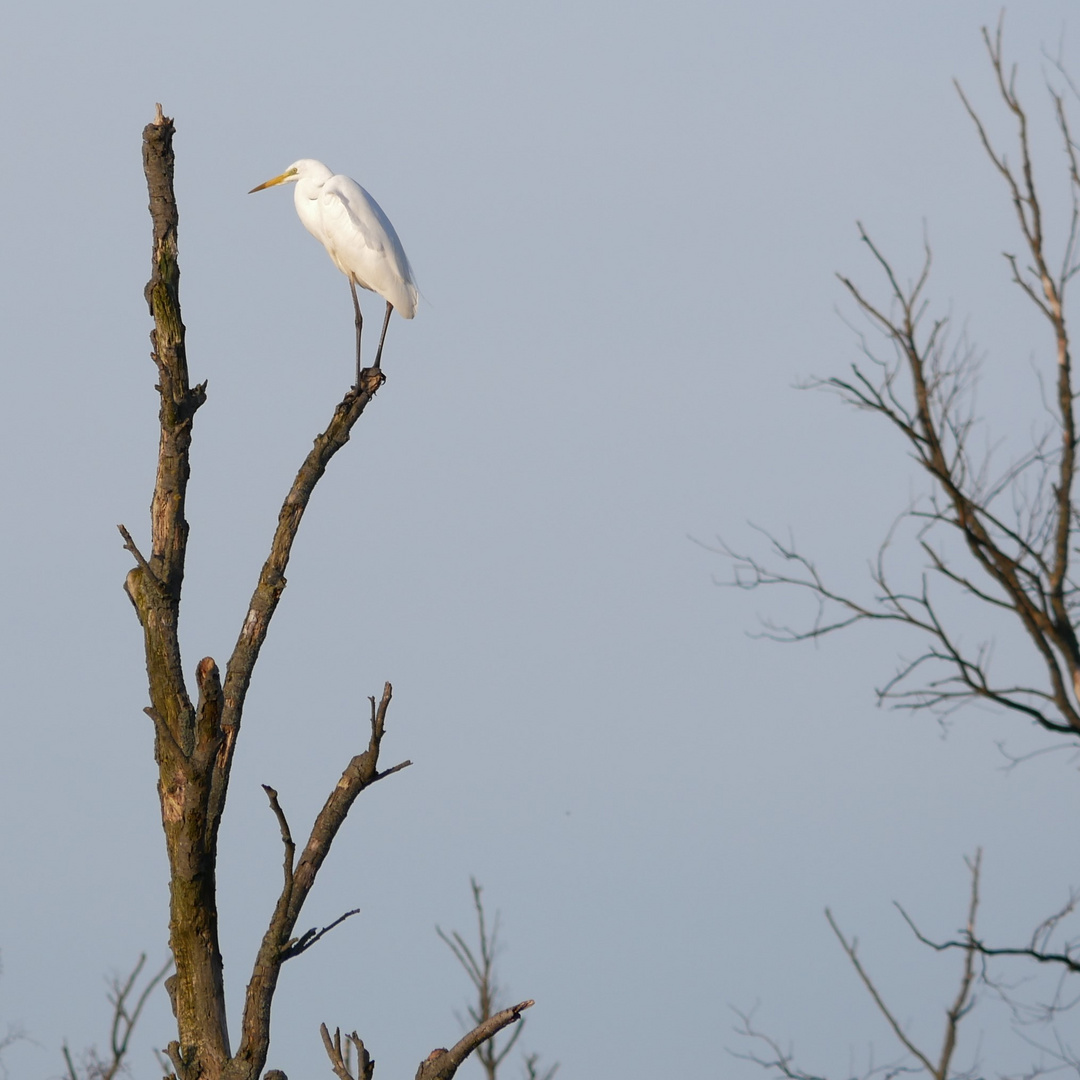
1016, 525
195, 737
1003, 538
939, 1066
479, 964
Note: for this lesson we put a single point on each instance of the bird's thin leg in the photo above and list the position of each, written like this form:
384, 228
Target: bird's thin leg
359, 329
382, 337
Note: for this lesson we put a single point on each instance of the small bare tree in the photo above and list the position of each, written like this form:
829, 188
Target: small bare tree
479, 965
127, 1002
195, 738
1001, 537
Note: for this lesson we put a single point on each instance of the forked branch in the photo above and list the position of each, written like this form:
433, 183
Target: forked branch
1038, 948
782, 1061
954, 1014
440, 1064
278, 944
365, 1066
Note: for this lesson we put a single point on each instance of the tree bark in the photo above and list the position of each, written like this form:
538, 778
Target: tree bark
194, 743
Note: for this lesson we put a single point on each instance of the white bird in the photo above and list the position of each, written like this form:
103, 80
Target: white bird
357, 236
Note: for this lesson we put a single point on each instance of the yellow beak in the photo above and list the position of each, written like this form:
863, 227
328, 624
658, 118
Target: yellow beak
287, 175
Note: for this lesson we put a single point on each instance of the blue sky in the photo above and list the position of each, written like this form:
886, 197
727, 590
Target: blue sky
625, 220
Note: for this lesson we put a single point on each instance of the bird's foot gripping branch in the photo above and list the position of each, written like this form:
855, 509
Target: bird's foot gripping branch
358, 237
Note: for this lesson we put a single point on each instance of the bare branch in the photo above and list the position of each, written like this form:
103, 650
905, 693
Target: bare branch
1037, 949
1025, 563
365, 1066
442, 1064
1001, 536
1016, 525
782, 1061
286, 834
970, 678
532, 1068
964, 1001
278, 945
271, 582
127, 1005
310, 937
898, 1031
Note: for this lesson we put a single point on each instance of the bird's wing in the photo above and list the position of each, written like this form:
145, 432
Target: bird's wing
346, 219
364, 244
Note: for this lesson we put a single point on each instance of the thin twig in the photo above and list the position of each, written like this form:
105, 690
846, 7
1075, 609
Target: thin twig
310, 937
898, 1031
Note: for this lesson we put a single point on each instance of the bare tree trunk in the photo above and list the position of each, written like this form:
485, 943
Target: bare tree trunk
194, 743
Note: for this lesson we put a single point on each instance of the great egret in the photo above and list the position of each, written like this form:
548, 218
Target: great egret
357, 236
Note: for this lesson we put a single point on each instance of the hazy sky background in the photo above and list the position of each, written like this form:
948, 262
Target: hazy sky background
625, 219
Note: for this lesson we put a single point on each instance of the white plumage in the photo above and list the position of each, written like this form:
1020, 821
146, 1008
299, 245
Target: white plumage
358, 237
